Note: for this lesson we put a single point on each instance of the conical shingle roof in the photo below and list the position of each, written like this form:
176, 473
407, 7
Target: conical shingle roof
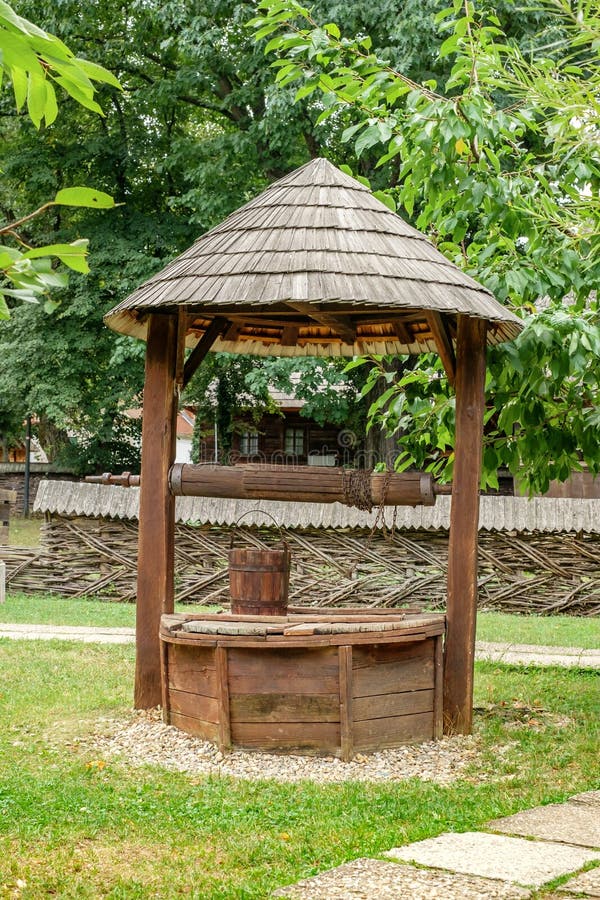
316, 265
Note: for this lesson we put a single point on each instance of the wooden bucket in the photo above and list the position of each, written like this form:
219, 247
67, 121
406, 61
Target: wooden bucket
259, 580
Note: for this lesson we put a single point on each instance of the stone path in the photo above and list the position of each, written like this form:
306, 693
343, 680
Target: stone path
523, 654
88, 634
533, 850
520, 654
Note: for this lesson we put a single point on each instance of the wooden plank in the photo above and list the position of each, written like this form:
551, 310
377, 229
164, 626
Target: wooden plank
294, 707
402, 332
438, 688
377, 654
383, 706
312, 641
346, 710
193, 669
351, 628
341, 325
377, 734
195, 705
198, 727
322, 737
393, 678
157, 506
182, 324
164, 681
214, 330
223, 698
289, 335
341, 611
464, 523
443, 342
276, 671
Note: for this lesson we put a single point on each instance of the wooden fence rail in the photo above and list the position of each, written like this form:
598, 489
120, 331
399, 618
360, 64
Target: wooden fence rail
544, 573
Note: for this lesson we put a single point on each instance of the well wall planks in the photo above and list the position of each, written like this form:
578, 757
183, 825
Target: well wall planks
377, 734
388, 705
195, 706
284, 708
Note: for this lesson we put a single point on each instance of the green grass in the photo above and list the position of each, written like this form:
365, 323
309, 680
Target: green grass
41, 609
74, 828
553, 631
50, 609
24, 532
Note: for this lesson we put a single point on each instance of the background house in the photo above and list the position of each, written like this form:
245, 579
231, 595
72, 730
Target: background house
285, 436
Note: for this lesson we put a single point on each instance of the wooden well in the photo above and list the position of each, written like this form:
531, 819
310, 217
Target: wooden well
313, 266
332, 685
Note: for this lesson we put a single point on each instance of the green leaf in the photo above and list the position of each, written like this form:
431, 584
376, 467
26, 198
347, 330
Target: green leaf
83, 196
98, 73
367, 138
4, 311
83, 97
36, 98
493, 159
19, 80
72, 255
386, 199
305, 90
449, 46
51, 110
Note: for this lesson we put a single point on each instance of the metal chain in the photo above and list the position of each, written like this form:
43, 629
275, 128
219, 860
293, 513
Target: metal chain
356, 485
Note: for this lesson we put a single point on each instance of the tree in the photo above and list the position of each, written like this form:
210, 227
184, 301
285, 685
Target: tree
35, 61
199, 128
501, 170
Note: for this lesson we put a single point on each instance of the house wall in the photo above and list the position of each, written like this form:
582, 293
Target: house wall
317, 440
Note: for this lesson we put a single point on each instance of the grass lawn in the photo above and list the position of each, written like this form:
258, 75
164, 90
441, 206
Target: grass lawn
24, 532
566, 631
74, 826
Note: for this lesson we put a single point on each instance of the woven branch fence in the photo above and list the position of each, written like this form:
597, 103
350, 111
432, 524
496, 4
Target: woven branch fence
544, 573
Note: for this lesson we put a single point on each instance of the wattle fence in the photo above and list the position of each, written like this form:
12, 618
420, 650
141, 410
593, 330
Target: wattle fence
540, 555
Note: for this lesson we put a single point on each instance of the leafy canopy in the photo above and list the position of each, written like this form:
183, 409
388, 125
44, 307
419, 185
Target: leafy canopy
500, 167
36, 62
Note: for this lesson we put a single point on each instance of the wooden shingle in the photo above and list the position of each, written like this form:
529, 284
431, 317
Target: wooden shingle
315, 237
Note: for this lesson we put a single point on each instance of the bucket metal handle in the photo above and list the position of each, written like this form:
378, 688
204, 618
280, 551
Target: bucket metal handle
286, 546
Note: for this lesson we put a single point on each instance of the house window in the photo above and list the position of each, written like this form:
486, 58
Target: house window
249, 443
294, 441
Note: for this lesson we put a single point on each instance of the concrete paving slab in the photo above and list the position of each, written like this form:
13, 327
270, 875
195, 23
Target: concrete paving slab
588, 884
514, 859
538, 655
570, 823
85, 633
588, 797
375, 879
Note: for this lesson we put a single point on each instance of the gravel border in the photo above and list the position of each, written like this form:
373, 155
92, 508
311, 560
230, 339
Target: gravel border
146, 740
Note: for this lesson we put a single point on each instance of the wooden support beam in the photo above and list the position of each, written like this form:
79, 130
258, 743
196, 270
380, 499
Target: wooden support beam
233, 331
341, 325
214, 330
182, 325
311, 484
157, 506
464, 523
443, 343
402, 332
289, 335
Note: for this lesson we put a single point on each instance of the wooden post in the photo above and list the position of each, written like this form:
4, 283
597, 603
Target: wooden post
156, 549
464, 524
346, 720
